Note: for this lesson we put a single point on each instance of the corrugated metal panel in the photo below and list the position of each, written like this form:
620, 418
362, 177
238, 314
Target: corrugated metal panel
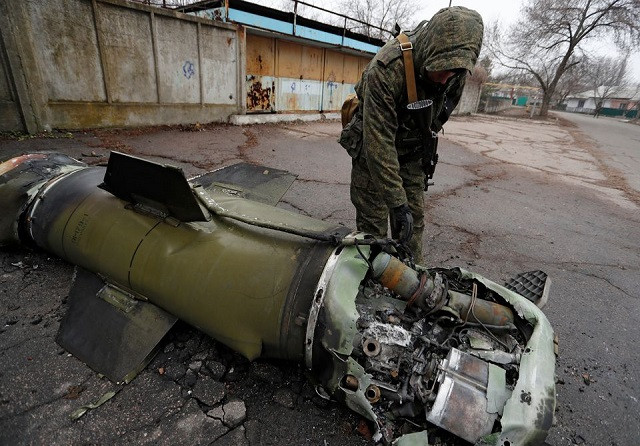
298, 95
311, 61
298, 61
334, 66
286, 76
260, 55
332, 96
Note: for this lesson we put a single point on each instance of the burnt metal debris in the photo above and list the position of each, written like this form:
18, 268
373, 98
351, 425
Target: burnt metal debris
426, 355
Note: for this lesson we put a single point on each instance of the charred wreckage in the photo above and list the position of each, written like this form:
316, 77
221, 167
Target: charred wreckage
416, 351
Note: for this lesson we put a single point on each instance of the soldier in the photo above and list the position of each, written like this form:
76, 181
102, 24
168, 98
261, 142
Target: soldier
387, 141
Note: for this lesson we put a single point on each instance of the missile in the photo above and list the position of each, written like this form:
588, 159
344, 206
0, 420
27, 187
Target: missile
415, 351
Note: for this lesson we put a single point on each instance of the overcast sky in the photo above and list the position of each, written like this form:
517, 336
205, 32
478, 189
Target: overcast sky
506, 11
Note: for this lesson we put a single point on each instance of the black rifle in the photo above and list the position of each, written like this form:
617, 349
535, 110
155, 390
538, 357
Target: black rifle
429, 157
423, 112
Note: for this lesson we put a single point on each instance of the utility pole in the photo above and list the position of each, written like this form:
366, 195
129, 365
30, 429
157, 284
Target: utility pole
533, 107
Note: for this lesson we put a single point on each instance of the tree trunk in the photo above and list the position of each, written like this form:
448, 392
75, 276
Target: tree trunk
546, 100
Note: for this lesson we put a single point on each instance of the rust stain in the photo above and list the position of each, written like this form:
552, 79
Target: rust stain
259, 97
292, 102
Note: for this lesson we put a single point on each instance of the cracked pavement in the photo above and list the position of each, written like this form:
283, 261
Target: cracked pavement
511, 195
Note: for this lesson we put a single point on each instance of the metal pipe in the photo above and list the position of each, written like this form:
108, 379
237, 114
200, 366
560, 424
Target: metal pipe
424, 291
483, 311
350, 382
372, 393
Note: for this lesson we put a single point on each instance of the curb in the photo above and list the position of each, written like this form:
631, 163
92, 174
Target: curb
276, 117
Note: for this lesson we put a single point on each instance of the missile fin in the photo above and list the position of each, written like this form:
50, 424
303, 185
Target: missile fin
161, 187
109, 330
250, 181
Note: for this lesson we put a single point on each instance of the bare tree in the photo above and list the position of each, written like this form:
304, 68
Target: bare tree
574, 80
304, 9
548, 38
487, 63
607, 77
382, 14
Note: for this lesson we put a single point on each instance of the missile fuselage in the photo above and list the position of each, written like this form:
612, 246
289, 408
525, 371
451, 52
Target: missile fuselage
439, 347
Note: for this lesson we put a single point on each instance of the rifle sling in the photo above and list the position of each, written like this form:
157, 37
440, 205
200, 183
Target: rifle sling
409, 71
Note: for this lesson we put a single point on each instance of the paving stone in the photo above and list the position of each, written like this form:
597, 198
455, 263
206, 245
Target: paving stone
216, 368
175, 371
216, 412
195, 366
208, 391
235, 412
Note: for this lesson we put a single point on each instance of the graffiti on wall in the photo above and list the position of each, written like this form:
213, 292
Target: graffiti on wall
188, 69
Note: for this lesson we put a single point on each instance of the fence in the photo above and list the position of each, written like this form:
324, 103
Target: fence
491, 104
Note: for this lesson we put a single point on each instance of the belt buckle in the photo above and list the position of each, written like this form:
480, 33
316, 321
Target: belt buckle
408, 46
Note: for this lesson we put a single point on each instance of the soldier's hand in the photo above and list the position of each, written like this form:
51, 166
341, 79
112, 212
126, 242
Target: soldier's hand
401, 223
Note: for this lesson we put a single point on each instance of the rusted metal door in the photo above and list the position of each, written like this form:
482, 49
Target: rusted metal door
260, 76
290, 77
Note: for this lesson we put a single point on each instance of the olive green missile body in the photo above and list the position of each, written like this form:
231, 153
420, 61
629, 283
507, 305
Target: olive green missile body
244, 285
445, 347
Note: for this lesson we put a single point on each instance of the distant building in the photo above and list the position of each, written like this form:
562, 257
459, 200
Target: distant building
619, 101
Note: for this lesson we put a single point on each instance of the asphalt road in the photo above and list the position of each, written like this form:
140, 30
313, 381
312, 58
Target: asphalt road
617, 142
510, 196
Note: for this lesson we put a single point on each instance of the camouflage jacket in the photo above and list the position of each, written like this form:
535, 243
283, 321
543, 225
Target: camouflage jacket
451, 40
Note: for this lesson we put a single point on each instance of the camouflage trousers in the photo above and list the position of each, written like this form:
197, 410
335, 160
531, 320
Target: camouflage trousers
372, 214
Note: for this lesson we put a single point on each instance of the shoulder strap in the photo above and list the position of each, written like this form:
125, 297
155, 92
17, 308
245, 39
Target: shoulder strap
407, 53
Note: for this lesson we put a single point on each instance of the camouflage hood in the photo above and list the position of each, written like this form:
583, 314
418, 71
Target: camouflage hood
450, 40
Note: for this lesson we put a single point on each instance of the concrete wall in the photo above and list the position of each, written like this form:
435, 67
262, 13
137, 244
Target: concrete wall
10, 114
470, 98
101, 63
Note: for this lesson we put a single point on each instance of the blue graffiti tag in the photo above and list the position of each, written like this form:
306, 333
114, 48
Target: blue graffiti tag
188, 70
293, 87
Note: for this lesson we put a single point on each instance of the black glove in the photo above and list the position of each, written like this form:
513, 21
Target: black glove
401, 223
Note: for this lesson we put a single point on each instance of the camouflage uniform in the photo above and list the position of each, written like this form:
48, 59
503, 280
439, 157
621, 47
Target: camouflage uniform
384, 139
